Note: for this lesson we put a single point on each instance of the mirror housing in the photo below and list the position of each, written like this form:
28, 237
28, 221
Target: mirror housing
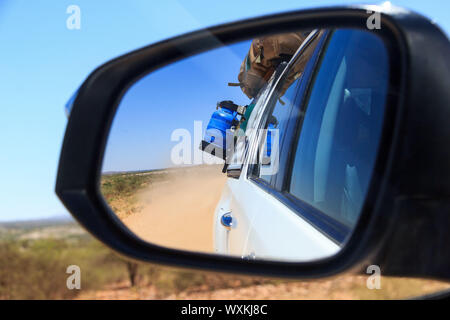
234, 171
407, 208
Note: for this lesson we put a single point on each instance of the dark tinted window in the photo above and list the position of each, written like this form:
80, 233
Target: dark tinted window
337, 146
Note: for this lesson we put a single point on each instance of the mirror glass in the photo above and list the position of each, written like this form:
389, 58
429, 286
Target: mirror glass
263, 149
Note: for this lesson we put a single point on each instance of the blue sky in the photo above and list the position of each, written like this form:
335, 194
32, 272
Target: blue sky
42, 63
169, 99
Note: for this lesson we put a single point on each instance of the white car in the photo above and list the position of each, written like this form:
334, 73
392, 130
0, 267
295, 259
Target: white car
301, 205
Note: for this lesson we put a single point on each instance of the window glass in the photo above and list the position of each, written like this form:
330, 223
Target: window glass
338, 142
281, 112
276, 125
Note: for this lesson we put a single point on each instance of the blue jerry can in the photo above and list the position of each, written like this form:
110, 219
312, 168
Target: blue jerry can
216, 135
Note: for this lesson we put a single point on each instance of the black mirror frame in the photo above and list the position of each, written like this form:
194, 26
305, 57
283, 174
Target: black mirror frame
404, 34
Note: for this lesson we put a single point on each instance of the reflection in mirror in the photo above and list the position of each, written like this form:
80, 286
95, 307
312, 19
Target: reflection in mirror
294, 118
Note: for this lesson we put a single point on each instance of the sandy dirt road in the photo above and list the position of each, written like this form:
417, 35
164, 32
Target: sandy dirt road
178, 212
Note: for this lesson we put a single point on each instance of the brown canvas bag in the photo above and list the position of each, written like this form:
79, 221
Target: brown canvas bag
262, 59
301, 62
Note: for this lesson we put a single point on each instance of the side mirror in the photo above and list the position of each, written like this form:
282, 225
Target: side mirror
234, 171
363, 175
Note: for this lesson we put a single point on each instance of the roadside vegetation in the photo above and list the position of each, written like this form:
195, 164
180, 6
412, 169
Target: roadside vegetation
120, 190
36, 269
34, 258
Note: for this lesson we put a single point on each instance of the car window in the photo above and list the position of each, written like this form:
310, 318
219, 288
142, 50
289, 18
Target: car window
281, 113
335, 152
275, 125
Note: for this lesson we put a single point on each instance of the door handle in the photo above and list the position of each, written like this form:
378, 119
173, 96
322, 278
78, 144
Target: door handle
227, 220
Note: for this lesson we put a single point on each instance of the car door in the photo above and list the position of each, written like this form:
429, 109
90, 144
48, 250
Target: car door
276, 229
241, 199
314, 200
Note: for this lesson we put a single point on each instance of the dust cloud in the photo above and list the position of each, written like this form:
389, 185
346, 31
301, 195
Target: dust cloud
178, 212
